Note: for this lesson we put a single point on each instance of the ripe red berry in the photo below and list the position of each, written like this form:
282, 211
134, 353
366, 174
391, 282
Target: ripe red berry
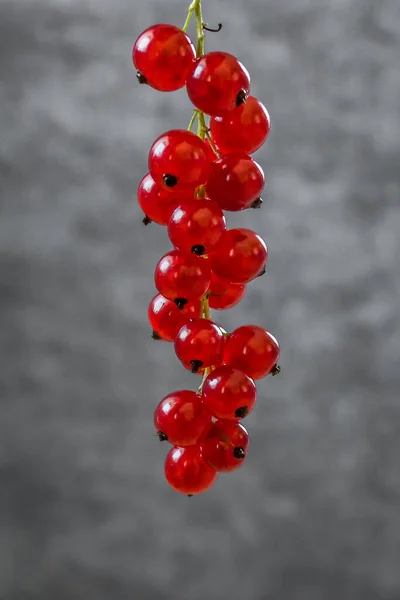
224, 294
181, 418
187, 472
178, 160
229, 393
163, 56
243, 130
199, 344
225, 446
217, 83
166, 318
157, 203
182, 277
239, 255
196, 226
235, 181
253, 350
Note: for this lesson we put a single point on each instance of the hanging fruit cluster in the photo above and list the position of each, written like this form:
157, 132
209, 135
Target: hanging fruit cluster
192, 179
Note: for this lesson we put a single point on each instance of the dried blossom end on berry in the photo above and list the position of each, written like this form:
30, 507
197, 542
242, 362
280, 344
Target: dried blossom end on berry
170, 180
257, 203
241, 412
198, 249
141, 78
161, 436
241, 97
180, 302
275, 370
195, 366
239, 452
146, 220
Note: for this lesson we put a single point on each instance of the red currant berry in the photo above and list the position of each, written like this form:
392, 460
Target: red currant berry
187, 472
239, 255
166, 318
196, 226
181, 418
229, 393
217, 83
235, 182
182, 277
163, 56
224, 294
253, 350
178, 160
244, 129
199, 344
156, 203
225, 447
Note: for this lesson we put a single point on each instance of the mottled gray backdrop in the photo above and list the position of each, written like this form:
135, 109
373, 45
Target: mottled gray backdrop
85, 512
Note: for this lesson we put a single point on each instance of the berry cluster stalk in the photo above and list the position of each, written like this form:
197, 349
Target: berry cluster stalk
202, 131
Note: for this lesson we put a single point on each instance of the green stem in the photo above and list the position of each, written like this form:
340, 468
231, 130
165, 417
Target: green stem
199, 28
206, 374
191, 10
201, 126
213, 148
192, 120
202, 129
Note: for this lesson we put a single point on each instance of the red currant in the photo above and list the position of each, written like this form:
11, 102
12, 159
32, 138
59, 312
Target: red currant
181, 418
235, 182
224, 294
187, 472
196, 226
199, 344
225, 447
163, 56
239, 255
157, 203
253, 350
178, 160
217, 83
182, 277
229, 393
166, 318
244, 129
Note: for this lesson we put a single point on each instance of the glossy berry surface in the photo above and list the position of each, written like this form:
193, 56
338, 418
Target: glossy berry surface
235, 181
229, 393
243, 130
182, 277
253, 350
225, 446
239, 256
157, 203
178, 160
196, 226
187, 472
199, 344
181, 418
163, 56
166, 318
217, 83
224, 294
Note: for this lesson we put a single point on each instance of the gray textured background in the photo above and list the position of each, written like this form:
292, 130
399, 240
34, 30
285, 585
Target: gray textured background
85, 513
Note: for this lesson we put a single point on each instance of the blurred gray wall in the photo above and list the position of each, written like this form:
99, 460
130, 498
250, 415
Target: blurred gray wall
85, 513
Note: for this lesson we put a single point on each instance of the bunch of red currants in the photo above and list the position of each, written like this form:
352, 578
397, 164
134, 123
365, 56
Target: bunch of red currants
192, 179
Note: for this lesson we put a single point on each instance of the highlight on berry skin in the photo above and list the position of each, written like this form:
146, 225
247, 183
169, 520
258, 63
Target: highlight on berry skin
197, 175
